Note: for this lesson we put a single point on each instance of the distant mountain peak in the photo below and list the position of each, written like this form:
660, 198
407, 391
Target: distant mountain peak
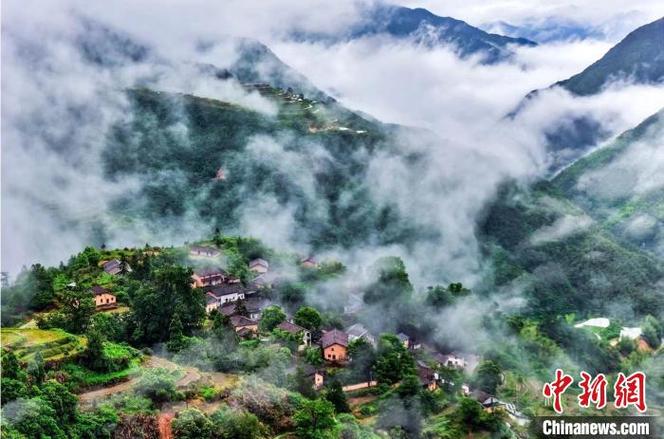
639, 57
426, 28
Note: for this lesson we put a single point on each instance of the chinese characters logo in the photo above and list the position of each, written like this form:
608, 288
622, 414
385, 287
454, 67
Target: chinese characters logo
627, 390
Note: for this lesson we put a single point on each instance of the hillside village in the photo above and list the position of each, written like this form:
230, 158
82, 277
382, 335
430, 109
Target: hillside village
353, 323
324, 349
157, 315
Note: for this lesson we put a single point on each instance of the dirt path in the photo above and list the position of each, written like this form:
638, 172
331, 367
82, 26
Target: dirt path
164, 424
191, 375
89, 398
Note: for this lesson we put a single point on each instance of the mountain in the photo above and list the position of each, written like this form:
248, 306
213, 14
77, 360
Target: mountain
253, 61
639, 58
423, 27
309, 161
591, 240
256, 63
564, 260
621, 185
546, 30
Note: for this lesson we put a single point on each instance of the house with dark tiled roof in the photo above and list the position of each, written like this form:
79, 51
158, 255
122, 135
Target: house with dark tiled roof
317, 375
358, 331
404, 339
104, 299
450, 360
211, 303
205, 277
254, 305
294, 329
115, 267
244, 324
227, 293
335, 345
428, 377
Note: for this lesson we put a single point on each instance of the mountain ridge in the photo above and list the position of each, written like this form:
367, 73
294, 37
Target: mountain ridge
425, 28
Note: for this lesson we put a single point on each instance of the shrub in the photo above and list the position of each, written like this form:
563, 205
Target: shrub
192, 424
158, 385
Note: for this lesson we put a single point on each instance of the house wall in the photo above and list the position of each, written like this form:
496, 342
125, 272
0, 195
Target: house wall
335, 352
231, 298
211, 306
206, 281
197, 282
104, 300
252, 328
358, 386
318, 381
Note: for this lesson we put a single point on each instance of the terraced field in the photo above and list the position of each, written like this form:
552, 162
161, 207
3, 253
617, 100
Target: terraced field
53, 344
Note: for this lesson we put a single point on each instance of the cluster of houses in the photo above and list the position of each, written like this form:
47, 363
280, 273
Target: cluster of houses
243, 306
224, 292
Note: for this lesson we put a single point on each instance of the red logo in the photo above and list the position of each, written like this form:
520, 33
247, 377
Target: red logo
556, 388
627, 391
593, 391
630, 390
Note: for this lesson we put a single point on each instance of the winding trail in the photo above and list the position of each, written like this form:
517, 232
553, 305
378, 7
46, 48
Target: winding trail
191, 375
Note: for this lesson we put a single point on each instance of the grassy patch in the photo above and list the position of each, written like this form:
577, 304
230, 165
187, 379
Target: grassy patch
82, 377
54, 344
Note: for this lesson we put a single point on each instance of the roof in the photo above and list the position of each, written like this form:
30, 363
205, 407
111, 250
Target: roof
209, 300
237, 321
334, 337
258, 261
310, 370
309, 259
98, 290
112, 264
204, 272
227, 290
403, 337
290, 327
227, 309
480, 395
444, 358
256, 304
243, 332
425, 373
357, 330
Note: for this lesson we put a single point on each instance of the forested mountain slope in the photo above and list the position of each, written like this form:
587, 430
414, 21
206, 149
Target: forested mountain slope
620, 185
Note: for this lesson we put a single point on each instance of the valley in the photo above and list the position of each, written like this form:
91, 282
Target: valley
200, 241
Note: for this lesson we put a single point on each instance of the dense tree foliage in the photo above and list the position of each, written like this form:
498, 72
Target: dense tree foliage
154, 304
488, 376
393, 361
314, 419
308, 318
271, 317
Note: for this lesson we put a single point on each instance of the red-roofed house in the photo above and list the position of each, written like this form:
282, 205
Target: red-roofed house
103, 298
335, 345
206, 277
